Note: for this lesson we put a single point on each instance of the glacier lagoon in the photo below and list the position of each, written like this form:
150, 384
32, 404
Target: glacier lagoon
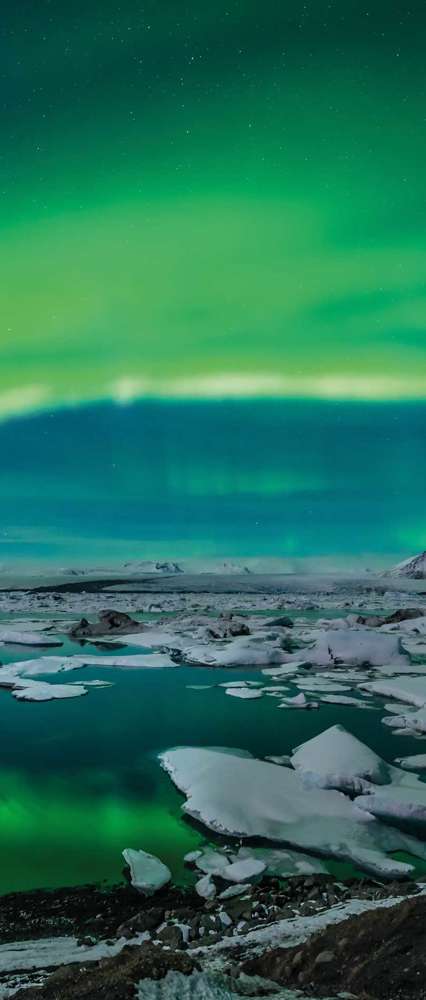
81, 779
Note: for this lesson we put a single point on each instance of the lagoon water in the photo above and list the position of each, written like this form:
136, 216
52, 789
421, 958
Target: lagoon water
80, 779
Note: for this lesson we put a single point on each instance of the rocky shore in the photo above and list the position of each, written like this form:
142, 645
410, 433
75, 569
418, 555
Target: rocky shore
177, 930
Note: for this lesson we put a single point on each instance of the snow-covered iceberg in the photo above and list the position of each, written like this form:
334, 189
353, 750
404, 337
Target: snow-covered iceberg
147, 873
337, 759
232, 793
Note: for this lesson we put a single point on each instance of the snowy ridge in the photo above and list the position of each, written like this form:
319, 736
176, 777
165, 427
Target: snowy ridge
414, 567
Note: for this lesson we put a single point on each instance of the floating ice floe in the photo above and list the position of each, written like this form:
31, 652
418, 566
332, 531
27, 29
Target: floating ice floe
284, 864
19, 676
199, 687
192, 856
417, 762
319, 685
298, 701
414, 648
239, 652
212, 862
351, 647
28, 638
147, 873
408, 722
244, 869
232, 793
286, 670
341, 699
248, 694
407, 689
150, 661
396, 802
337, 759
41, 691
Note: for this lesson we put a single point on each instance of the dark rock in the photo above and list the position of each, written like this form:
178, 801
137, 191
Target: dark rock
172, 936
116, 622
325, 957
381, 956
283, 622
111, 978
146, 920
403, 614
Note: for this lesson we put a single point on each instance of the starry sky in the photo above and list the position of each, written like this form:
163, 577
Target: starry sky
209, 202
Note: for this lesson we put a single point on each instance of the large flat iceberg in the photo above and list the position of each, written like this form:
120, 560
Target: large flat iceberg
232, 793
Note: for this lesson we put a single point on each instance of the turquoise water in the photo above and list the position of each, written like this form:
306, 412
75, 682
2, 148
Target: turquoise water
80, 779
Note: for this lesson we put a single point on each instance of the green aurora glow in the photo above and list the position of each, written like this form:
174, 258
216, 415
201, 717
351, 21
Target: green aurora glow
195, 194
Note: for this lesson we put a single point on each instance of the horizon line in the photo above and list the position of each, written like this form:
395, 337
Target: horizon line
36, 398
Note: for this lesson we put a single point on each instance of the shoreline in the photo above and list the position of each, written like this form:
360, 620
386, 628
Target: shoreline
118, 933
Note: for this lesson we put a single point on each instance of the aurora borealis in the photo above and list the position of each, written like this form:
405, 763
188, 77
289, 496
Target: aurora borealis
201, 202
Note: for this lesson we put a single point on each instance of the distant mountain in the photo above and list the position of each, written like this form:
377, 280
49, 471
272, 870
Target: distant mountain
415, 567
149, 566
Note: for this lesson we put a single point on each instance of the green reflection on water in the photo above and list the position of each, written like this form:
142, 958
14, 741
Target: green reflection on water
49, 839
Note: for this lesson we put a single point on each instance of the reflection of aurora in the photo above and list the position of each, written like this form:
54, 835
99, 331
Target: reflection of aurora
81, 780
50, 836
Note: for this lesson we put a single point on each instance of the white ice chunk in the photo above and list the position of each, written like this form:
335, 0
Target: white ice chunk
243, 870
407, 689
10, 635
205, 887
212, 862
248, 694
417, 762
147, 873
232, 793
396, 802
341, 699
337, 759
284, 864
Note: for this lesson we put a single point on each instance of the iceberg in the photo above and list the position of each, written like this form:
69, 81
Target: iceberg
407, 689
233, 793
241, 652
10, 635
147, 873
244, 869
396, 802
337, 759
352, 647
415, 763
284, 864
248, 694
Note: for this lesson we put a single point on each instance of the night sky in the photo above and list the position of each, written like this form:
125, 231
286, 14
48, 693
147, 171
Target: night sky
202, 201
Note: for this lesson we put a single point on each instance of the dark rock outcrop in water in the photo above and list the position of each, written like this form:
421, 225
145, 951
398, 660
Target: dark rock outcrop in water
379, 955
110, 623
402, 615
